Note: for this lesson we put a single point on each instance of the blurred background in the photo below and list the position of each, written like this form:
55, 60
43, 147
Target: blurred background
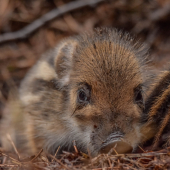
148, 20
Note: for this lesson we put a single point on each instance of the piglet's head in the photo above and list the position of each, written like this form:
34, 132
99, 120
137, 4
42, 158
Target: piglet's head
102, 75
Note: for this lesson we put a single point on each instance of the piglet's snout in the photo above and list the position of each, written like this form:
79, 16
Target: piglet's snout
115, 141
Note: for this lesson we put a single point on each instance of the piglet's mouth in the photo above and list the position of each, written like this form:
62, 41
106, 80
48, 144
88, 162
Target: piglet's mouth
116, 141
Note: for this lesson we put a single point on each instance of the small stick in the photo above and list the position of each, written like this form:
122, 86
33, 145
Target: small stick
15, 160
7, 165
4, 160
13, 145
75, 147
131, 161
58, 161
113, 149
108, 159
37, 155
141, 148
140, 155
56, 153
106, 168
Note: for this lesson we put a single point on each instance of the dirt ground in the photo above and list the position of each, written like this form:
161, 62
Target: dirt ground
147, 20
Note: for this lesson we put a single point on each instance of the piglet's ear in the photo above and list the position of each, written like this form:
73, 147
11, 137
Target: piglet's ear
63, 60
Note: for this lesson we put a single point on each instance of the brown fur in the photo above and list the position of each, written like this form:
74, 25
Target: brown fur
110, 69
157, 107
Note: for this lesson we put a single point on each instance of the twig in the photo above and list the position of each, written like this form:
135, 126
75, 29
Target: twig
113, 149
23, 33
139, 154
108, 159
13, 145
106, 168
58, 161
131, 161
8, 165
56, 153
141, 149
4, 160
160, 13
15, 160
75, 147
37, 155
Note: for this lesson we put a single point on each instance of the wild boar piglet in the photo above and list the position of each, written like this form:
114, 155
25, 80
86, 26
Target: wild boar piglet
88, 89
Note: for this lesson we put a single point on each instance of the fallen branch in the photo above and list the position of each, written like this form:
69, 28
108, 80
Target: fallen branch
23, 33
160, 13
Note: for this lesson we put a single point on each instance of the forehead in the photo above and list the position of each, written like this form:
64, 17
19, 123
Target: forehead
106, 60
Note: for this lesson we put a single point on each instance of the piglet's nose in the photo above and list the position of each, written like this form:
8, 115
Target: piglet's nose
115, 140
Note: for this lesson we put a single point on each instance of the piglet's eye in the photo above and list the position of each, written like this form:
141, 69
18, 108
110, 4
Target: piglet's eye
83, 94
139, 97
82, 97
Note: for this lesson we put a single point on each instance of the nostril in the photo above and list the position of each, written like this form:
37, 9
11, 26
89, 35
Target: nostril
95, 126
